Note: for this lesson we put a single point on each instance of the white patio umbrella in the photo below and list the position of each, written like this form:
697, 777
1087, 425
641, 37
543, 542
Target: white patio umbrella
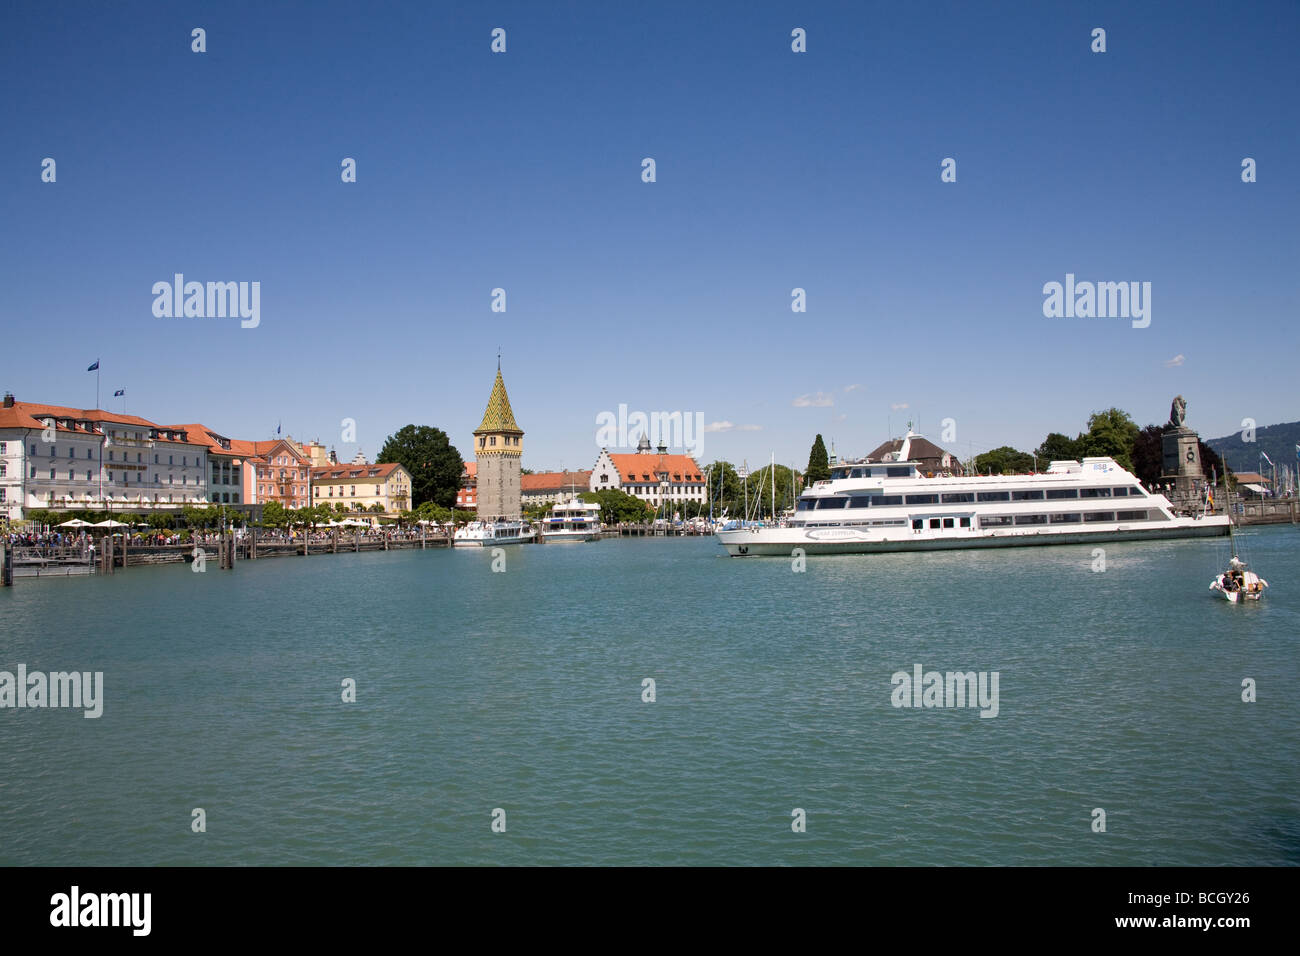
75, 523
109, 523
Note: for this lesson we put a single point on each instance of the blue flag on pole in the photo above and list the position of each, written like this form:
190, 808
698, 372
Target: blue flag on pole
95, 367
277, 428
119, 393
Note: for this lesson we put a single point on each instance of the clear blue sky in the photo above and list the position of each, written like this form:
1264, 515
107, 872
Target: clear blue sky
775, 170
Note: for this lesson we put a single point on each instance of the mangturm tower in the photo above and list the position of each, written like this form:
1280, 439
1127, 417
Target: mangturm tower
498, 444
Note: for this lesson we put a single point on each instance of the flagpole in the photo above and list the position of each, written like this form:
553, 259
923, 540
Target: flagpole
97, 383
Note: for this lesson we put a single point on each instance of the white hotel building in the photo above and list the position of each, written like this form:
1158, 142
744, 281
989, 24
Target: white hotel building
58, 458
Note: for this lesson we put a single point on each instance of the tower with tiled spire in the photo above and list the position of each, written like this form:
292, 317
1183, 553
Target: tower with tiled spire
498, 445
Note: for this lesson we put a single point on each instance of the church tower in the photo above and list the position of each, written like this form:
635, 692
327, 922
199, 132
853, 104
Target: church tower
498, 445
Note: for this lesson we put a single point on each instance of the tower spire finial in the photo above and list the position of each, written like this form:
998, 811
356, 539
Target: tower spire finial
498, 358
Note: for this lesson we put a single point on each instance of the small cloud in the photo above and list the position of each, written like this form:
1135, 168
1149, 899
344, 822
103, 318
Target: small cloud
852, 388
1177, 360
819, 400
839, 418
750, 428
719, 427
898, 406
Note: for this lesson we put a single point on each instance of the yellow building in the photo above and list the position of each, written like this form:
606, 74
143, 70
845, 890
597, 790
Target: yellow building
358, 487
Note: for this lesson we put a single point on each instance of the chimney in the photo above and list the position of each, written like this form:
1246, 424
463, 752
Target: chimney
9, 399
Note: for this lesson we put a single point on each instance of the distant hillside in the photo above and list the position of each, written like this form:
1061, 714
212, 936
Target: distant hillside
1277, 441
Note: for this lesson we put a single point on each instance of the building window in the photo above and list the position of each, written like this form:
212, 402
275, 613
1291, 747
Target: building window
33, 455
110, 456
4, 447
492, 440
234, 499
4, 469
88, 454
72, 452
155, 459
71, 476
88, 476
171, 459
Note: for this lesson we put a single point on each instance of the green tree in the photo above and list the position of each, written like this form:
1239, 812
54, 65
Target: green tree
434, 463
1004, 461
274, 515
1058, 447
819, 466
1111, 434
617, 506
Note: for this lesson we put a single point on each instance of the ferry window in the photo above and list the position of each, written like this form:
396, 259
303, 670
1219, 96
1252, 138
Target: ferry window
1065, 519
806, 504
881, 500
1131, 515
897, 471
832, 503
1057, 493
965, 522
1094, 492
922, 499
859, 501
1031, 495
1119, 492
859, 473
948, 522
918, 524
995, 496
934, 522
1099, 516
838, 473
1029, 519
958, 497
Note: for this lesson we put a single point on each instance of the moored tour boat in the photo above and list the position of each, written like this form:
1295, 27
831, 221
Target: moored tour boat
490, 534
572, 520
869, 507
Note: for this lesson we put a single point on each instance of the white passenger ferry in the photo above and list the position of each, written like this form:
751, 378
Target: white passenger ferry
877, 506
572, 520
490, 534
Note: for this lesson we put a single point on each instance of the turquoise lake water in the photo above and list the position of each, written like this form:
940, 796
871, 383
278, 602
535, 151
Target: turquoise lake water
522, 690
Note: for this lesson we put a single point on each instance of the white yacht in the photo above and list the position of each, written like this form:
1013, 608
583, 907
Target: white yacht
572, 520
890, 505
490, 534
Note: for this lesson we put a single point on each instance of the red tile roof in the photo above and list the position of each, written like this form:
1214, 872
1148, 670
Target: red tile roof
640, 469
555, 481
351, 472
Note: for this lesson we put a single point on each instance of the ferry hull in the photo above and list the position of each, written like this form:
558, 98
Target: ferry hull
782, 541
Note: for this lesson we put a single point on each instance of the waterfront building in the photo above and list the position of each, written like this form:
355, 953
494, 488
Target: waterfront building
930, 458
360, 486
54, 457
551, 487
498, 445
231, 473
467, 493
657, 477
1251, 484
283, 470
